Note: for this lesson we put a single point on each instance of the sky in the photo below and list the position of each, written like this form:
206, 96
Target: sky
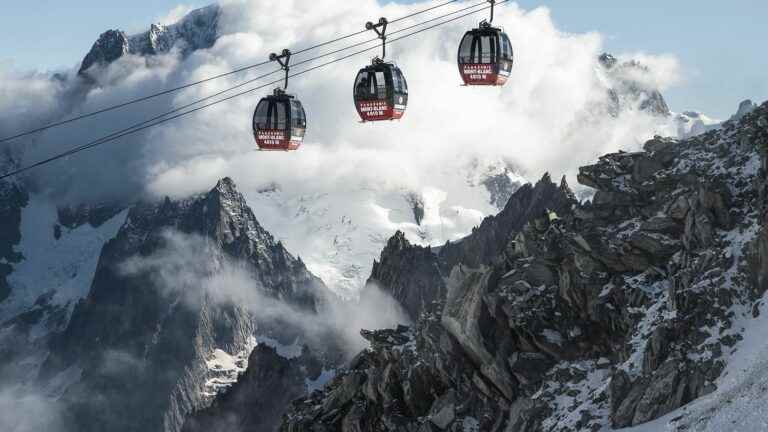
721, 48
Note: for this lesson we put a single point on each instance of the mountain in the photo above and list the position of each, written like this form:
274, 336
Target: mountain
260, 396
628, 87
197, 30
603, 314
745, 107
692, 123
155, 311
12, 199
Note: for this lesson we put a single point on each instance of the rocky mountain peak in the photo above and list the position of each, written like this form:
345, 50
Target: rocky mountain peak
566, 189
227, 202
225, 193
745, 107
628, 88
197, 30
409, 273
150, 311
607, 60
110, 46
396, 243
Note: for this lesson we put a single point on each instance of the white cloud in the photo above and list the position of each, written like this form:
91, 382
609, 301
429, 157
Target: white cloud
175, 14
179, 269
345, 169
663, 71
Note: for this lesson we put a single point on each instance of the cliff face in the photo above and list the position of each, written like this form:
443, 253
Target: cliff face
13, 198
415, 276
614, 313
409, 273
258, 399
143, 337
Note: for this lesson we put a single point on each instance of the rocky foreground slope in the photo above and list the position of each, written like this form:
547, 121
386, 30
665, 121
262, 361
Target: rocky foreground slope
609, 314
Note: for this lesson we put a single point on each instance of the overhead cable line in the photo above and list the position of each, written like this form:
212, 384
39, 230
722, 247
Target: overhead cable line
162, 118
422, 11
195, 83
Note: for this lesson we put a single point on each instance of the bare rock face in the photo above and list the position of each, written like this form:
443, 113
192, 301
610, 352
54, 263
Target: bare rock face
13, 197
594, 314
257, 401
94, 215
110, 46
488, 240
410, 274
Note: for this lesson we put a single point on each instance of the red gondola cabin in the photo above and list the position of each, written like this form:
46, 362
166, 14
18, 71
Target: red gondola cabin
279, 122
381, 92
485, 56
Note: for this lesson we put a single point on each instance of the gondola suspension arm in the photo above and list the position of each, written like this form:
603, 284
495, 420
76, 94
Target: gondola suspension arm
284, 60
493, 3
382, 24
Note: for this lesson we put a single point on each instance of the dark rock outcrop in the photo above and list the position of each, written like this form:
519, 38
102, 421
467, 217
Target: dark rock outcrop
13, 198
416, 202
94, 215
410, 274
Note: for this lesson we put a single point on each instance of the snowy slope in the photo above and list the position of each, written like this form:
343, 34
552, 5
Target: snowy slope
739, 402
52, 276
63, 267
338, 233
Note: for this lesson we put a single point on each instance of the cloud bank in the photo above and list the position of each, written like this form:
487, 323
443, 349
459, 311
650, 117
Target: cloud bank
180, 270
542, 120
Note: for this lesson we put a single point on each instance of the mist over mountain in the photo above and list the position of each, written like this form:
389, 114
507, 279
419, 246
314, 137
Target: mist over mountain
177, 280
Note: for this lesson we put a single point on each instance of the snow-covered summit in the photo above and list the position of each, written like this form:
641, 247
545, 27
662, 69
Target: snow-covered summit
197, 30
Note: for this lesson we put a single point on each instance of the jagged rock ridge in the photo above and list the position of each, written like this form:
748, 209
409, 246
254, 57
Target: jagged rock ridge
197, 30
609, 314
